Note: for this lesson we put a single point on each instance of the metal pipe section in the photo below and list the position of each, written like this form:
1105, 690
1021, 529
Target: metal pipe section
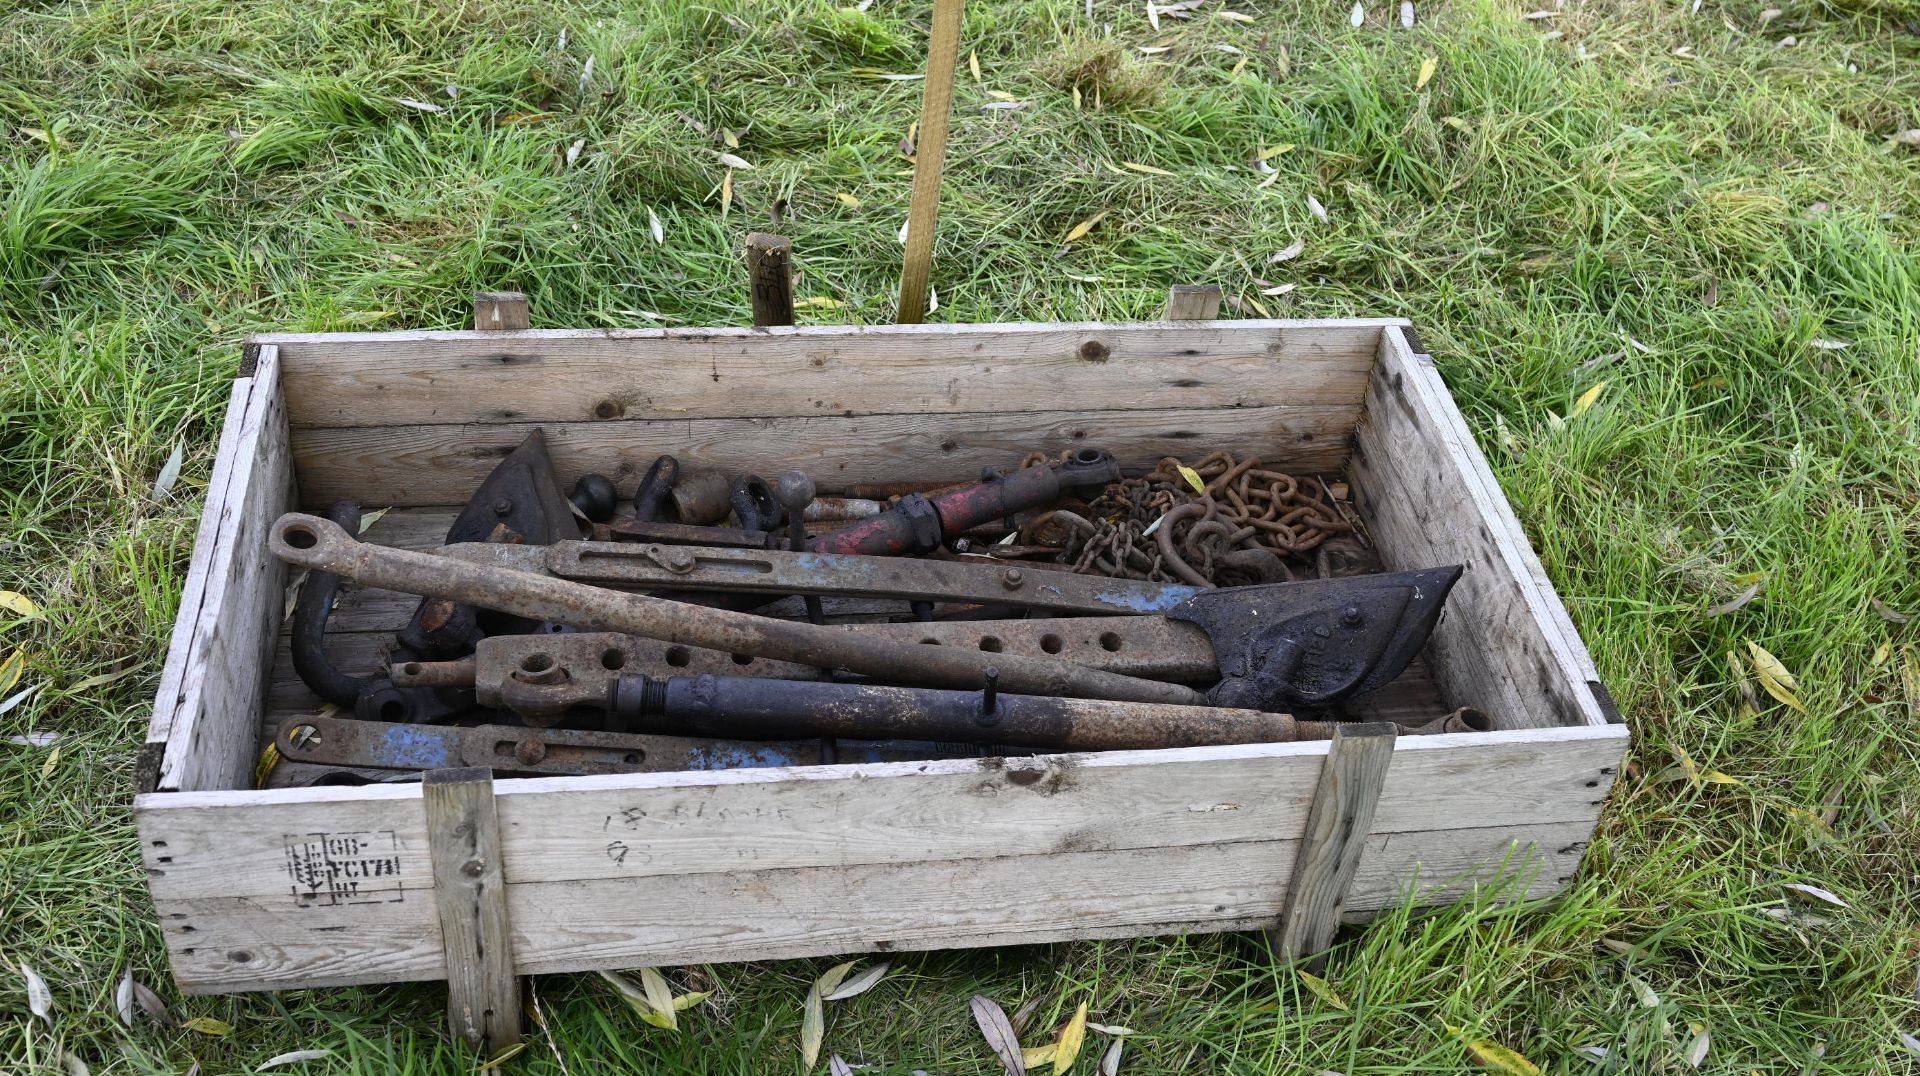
919, 525
317, 543
750, 708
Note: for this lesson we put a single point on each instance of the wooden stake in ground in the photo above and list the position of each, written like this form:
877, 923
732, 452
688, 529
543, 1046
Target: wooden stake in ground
770, 274
943, 54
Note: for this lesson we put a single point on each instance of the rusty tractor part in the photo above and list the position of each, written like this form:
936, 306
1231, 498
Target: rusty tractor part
701, 498
594, 498
310, 615
1318, 640
364, 695
287, 774
655, 487
523, 495
634, 530
312, 542
755, 508
1310, 642
794, 491
837, 509
772, 572
920, 525
779, 709
1465, 719
377, 751
1152, 647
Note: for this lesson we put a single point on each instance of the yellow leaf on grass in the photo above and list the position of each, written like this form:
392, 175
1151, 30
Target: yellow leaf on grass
1774, 677
1193, 478
726, 193
1146, 168
659, 999
502, 1057
53, 759
1715, 777
1492, 1056
819, 302
263, 768
1324, 990
973, 65
1071, 1038
15, 602
848, 200
1882, 654
1427, 67
11, 669
1085, 226
1274, 151
683, 1002
1035, 1056
207, 1025
1585, 402
1745, 579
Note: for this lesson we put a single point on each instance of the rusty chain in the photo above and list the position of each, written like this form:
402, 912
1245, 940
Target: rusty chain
1239, 527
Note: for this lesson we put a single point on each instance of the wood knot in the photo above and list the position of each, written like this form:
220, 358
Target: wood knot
608, 409
1095, 351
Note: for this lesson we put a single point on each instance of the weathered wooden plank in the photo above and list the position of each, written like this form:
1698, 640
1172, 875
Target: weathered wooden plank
759, 915
223, 642
557, 829
1338, 822
398, 379
1193, 302
442, 464
470, 899
1429, 498
770, 278
501, 311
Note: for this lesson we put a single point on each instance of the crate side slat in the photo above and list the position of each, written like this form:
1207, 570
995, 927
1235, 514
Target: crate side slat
1430, 499
389, 379
224, 637
443, 464
562, 829
761, 915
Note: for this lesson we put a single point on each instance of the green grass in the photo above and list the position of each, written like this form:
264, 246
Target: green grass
175, 174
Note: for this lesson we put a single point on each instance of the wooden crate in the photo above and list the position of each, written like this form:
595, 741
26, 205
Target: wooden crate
332, 886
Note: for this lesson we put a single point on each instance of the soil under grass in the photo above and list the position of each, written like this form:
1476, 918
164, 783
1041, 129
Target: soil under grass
1704, 206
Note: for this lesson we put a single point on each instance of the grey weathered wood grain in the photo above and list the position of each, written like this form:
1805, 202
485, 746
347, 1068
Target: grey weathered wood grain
1193, 302
470, 899
1504, 644
1338, 822
219, 661
583, 376
770, 278
442, 464
501, 311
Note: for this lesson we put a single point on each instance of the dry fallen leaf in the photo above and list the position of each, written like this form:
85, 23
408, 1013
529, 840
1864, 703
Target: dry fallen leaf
1642, 991
1887, 612
421, 106
1110, 1061
1909, 137
659, 998
292, 1057
732, 161
1145, 168
1825, 344
1494, 1057
1035, 1056
998, 1033
1358, 16
15, 602
1323, 990
11, 668
1293, 250
726, 193
973, 65
837, 1066
858, 984
1738, 601
1193, 479
653, 225
1817, 893
1071, 1038
169, 473
1774, 677
39, 998
1585, 403
1081, 229
1427, 67
1702, 1042
1318, 210
207, 1025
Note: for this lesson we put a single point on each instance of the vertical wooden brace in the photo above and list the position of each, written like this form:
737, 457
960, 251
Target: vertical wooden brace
770, 276
501, 311
470, 895
929, 160
1193, 302
1337, 826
